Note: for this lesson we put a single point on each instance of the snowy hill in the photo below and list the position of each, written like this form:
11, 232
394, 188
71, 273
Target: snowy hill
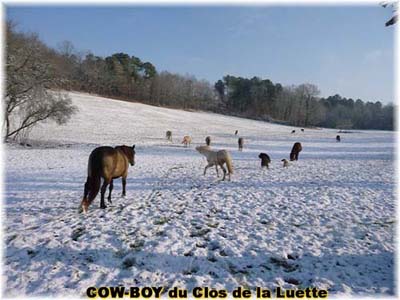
327, 220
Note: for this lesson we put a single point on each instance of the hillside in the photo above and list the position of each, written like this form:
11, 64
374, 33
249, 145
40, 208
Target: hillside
327, 220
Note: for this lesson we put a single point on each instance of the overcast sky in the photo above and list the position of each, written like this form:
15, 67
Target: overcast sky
342, 49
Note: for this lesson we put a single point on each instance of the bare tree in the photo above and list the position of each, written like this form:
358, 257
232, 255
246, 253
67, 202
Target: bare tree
30, 77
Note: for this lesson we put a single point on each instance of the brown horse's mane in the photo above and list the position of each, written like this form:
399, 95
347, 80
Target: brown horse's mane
124, 149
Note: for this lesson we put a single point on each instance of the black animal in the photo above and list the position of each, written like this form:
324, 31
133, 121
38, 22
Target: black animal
294, 154
265, 160
302, 130
208, 141
240, 144
338, 138
293, 131
236, 132
168, 135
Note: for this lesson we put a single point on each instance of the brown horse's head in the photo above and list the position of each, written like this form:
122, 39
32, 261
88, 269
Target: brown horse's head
129, 153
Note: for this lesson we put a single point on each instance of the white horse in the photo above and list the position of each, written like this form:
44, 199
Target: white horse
217, 158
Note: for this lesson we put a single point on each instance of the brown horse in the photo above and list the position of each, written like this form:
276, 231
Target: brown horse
107, 163
294, 154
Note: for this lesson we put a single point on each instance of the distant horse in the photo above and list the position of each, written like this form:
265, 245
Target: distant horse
240, 144
285, 163
302, 130
236, 132
338, 138
108, 163
217, 158
294, 154
293, 131
168, 135
265, 160
208, 141
186, 140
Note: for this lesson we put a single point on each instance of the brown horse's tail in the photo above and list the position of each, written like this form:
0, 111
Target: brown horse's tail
92, 185
229, 163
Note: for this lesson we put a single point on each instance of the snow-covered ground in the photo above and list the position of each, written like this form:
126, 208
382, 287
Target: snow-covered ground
326, 221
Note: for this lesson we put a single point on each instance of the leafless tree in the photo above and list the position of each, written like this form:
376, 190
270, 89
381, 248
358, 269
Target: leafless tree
30, 78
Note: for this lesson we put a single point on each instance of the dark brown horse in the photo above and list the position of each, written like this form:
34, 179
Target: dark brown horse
240, 144
265, 160
294, 154
107, 163
208, 141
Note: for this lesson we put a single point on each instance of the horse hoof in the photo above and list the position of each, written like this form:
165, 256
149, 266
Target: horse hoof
103, 207
109, 201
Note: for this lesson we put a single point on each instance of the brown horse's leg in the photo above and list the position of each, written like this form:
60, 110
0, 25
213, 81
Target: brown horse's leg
110, 190
205, 169
216, 168
209, 165
123, 187
103, 191
223, 169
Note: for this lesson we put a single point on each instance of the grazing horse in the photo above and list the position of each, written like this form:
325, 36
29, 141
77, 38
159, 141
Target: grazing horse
208, 141
186, 140
217, 158
107, 163
294, 154
265, 160
338, 138
285, 163
240, 144
168, 135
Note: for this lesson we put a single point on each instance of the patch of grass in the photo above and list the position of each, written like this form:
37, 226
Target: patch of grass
200, 232
77, 233
283, 263
137, 244
128, 262
161, 221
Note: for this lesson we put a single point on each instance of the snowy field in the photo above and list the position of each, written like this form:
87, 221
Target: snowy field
327, 221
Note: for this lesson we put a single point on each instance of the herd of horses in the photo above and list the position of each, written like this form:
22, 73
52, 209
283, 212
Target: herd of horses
110, 163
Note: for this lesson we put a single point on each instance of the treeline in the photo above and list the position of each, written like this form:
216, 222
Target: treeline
128, 77
34, 68
300, 105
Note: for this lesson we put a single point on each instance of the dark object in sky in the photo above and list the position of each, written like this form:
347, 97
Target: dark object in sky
392, 21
